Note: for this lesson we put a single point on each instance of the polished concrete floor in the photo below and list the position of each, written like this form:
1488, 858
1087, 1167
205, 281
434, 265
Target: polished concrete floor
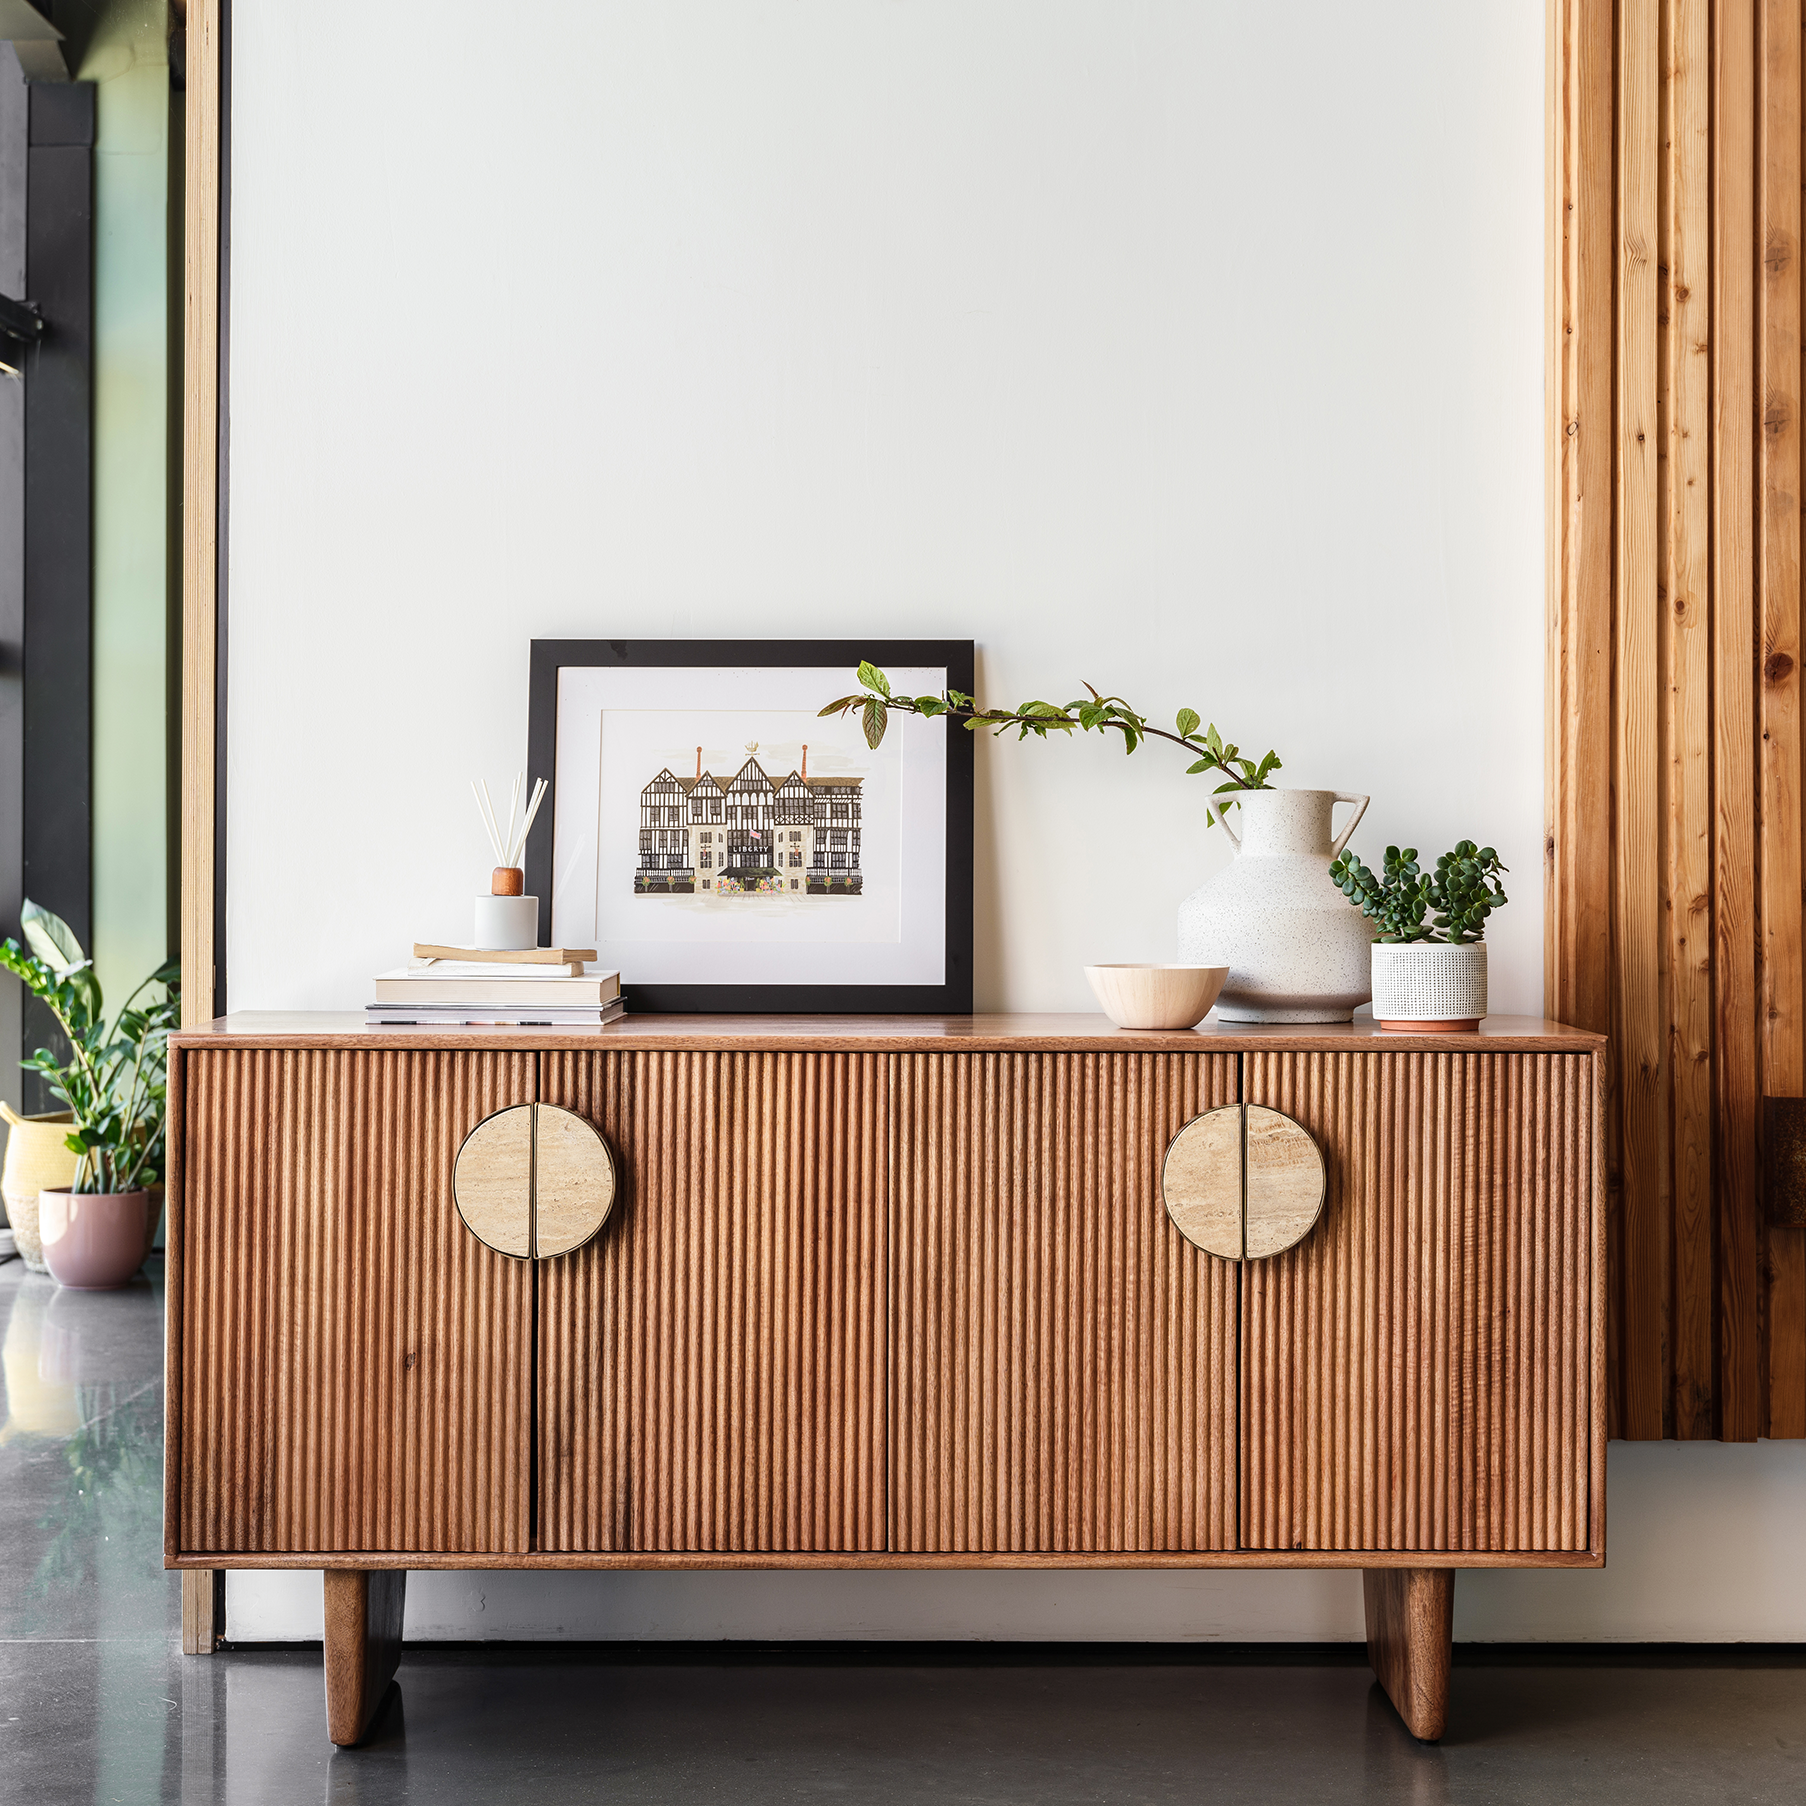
97, 1703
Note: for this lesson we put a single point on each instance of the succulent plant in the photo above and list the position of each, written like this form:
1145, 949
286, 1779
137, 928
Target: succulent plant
1457, 896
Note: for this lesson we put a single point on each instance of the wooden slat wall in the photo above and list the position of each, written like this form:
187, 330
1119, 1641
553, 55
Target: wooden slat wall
711, 1367
1063, 1360
353, 1364
1417, 1373
1673, 712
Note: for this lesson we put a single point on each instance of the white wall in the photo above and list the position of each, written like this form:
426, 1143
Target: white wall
1193, 349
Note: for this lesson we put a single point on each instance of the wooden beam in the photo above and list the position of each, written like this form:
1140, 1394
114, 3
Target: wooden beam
1578, 683
1685, 622
1733, 647
1637, 936
200, 497
203, 1611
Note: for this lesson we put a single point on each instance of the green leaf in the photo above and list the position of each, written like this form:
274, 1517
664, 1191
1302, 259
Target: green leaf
876, 717
873, 679
51, 939
1187, 722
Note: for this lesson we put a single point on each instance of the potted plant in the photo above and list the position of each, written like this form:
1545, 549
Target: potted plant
1293, 953
1427, 974
97, 1230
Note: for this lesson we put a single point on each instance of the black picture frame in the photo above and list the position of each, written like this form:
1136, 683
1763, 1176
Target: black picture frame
838, 660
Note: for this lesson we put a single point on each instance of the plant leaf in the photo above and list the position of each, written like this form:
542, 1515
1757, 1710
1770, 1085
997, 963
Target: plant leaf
876, 716
1187, 722
51, 939
873, 679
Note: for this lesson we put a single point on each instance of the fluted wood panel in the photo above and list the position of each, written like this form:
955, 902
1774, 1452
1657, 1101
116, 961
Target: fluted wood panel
1417, 1374
711, 1366
352, 1365
1063, 1359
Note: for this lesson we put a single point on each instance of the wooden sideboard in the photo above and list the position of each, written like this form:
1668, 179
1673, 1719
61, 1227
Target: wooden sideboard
884, 1292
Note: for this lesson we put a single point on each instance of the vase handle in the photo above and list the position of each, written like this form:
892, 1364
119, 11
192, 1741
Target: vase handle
1221, 818
1354, 821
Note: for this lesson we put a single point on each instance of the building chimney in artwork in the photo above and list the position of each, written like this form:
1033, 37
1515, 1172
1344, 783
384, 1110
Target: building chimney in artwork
699, 764
805, 771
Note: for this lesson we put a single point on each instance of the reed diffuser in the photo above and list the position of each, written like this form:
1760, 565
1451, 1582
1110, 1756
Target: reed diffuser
507, 920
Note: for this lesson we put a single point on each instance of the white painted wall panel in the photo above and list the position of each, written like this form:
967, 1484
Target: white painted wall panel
1190, 348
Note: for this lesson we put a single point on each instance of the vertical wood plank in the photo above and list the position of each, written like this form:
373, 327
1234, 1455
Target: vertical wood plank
1686, 479
1736, 1084
1578, 709
1578, 680
1638, 1013
200, 422
1782, 1056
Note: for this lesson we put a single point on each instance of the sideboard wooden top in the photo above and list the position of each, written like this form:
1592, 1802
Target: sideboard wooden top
894, 1034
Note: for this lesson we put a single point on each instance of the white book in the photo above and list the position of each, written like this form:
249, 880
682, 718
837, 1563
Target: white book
520, 1015
454, 984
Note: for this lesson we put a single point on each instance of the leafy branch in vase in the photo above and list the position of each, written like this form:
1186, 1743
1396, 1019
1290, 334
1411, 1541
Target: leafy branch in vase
1091, 713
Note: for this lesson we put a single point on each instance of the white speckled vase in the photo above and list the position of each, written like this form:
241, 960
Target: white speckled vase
1297, 950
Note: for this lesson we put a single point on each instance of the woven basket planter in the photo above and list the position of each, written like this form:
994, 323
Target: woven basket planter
1429, 986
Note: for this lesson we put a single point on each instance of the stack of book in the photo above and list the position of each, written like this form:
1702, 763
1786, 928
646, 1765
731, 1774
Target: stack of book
552, 987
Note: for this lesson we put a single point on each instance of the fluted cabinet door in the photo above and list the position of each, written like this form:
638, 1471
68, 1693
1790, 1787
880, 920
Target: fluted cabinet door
712, 1364
350, 1366
1418, 1373
1063, 1359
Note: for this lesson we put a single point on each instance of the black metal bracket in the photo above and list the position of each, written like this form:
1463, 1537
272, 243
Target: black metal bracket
21, 320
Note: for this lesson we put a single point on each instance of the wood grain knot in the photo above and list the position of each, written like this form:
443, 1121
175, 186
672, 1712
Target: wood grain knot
1777, 667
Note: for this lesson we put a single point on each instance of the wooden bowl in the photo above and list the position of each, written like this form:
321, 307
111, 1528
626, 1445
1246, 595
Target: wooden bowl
1156, 996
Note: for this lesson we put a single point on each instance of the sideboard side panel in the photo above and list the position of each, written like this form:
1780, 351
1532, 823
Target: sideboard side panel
353, 1364
1418, 1374
1063, 1368
712, 1365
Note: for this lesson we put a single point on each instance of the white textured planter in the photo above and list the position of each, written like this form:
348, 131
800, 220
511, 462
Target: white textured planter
1295, 951
1420, 986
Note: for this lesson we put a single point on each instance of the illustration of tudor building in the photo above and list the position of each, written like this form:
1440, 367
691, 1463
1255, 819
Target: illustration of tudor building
748, 836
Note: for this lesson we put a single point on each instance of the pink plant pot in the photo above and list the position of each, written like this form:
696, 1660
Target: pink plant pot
96, 1241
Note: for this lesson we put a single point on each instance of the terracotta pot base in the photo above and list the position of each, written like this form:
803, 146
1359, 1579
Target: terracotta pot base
1468, 1025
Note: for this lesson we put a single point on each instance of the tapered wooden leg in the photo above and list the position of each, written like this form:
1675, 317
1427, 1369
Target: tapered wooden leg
1410, 1638
363, 1644
203, 1610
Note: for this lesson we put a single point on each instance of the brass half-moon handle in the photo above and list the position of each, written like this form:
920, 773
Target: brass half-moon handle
534, 1181
1243, 1182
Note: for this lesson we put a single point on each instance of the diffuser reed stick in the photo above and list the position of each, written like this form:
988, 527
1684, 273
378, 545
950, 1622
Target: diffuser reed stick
508, 847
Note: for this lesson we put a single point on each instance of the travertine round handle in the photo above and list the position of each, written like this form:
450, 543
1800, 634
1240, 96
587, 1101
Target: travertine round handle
1243, 1182
534, 1181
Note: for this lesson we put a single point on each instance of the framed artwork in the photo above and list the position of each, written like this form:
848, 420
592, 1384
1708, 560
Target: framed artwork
727, 848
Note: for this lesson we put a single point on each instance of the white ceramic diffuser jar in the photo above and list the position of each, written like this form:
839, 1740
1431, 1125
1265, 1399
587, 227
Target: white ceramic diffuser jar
506, 922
